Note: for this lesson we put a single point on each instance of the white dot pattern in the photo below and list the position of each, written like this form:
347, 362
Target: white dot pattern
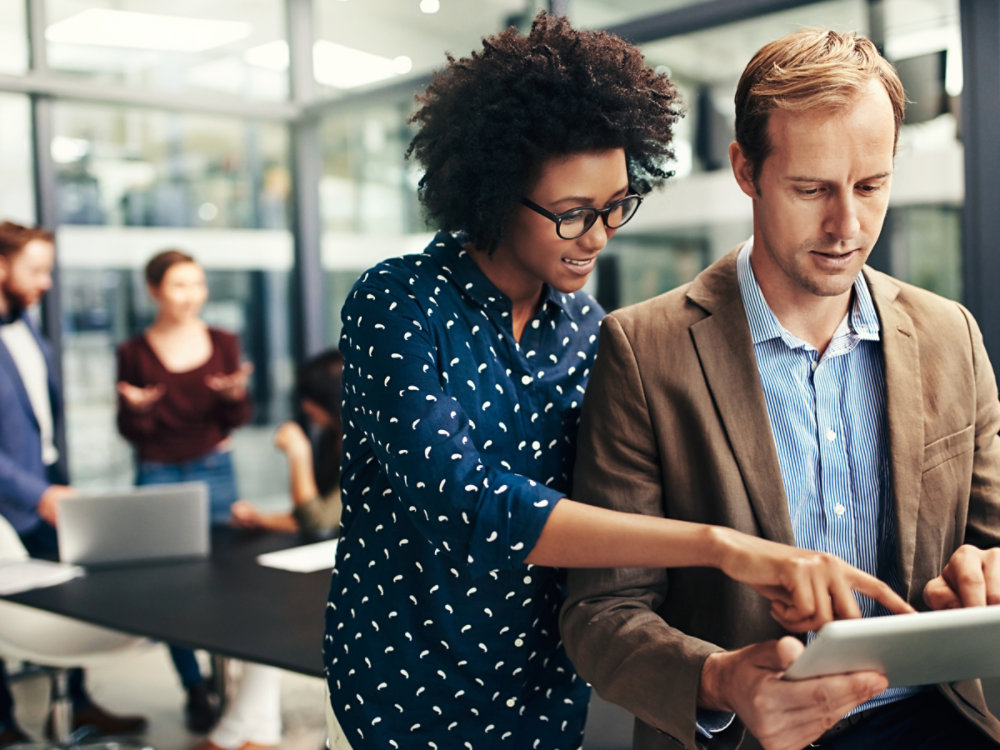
458, 441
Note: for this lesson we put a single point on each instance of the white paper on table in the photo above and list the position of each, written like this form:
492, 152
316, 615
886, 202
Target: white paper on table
23, 575
306, 558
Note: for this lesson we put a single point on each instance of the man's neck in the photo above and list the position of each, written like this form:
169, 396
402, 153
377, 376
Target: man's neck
815, 322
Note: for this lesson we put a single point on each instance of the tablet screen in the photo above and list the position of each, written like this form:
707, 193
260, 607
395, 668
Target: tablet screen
915, 649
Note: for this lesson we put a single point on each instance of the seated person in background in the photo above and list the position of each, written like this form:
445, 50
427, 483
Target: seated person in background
33, 472
252, 718
314, 476
789, 364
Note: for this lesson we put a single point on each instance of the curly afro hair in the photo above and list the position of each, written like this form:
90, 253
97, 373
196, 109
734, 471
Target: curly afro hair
488, 122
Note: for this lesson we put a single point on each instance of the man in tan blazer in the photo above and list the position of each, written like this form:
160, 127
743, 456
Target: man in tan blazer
866, 424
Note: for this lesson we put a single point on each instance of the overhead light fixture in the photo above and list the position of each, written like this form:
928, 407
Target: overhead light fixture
430, 6
345, 67
334, 64
272, 55
118, 28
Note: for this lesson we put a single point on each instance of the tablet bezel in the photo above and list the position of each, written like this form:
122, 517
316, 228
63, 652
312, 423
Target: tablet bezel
913, 649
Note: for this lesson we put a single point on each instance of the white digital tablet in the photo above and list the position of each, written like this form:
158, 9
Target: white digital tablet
915, 649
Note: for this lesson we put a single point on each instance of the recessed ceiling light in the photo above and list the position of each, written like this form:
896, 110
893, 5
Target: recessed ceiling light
119, 28
430, 6
66, 150
402, 65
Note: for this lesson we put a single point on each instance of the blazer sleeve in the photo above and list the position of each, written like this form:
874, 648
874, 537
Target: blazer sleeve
20, 490
610, 624
983, 525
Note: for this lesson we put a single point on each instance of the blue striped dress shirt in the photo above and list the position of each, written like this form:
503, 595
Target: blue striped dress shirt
828, 420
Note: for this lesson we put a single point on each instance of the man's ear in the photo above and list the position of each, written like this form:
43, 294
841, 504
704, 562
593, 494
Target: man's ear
742, 170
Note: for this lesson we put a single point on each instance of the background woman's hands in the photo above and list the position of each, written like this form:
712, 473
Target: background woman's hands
139, 398
232, 386
807, 589
291, 439
245, 514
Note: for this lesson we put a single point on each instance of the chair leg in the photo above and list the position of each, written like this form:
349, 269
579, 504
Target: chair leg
220, 680
62, 706
63, 735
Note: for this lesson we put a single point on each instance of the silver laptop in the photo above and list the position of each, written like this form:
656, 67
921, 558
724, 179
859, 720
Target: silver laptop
154, 522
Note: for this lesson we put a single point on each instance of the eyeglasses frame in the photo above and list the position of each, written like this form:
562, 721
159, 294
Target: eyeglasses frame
601, 213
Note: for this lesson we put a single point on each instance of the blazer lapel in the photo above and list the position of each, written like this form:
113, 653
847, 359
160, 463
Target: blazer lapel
55, 391
725, 349
905, 414
10, 371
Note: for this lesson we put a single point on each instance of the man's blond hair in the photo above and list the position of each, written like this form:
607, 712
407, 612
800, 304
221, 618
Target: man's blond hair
809, 69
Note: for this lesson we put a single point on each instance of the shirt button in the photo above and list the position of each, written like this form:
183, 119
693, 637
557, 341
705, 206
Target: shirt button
511, 702
526, 380
831, 435
519, 642
839, 509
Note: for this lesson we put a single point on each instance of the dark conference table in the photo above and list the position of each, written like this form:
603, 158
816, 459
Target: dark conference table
227, 604
234, 607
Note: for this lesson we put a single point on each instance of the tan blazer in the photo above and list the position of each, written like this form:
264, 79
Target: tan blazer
674, 424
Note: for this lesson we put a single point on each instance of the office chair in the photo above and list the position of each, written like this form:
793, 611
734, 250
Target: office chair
57, 643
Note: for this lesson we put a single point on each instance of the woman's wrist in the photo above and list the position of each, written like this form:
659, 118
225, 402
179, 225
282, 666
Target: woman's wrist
720, 547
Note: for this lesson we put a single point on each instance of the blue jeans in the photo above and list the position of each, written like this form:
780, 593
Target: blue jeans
216, 470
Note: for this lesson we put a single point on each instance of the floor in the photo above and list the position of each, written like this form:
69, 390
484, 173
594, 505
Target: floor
146, 684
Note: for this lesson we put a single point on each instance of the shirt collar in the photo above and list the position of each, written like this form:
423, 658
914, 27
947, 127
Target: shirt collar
457, 264
861, 319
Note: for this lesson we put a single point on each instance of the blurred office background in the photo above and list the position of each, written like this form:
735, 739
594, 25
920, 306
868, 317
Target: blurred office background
267, 138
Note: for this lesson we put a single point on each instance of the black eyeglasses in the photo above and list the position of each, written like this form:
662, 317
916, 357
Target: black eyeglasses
577, 221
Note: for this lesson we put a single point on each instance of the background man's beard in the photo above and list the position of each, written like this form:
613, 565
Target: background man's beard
15, 302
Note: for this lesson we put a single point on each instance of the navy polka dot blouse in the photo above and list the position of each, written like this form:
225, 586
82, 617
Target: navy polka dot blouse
458, 442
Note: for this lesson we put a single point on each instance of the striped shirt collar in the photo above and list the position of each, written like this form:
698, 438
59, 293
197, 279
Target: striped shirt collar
861, 321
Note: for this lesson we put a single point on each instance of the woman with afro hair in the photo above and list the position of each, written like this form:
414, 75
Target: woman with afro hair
464, 373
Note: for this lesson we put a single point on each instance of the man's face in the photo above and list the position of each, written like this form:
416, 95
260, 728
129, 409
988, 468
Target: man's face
820, 198
26, 275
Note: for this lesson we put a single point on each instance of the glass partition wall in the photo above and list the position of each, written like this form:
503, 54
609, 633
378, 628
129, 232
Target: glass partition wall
152, 139
170, 169
131, 183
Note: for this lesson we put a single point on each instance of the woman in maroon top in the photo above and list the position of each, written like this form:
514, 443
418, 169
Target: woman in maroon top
181, 390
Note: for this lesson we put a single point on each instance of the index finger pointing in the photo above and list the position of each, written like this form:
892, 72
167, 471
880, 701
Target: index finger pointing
878, 590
